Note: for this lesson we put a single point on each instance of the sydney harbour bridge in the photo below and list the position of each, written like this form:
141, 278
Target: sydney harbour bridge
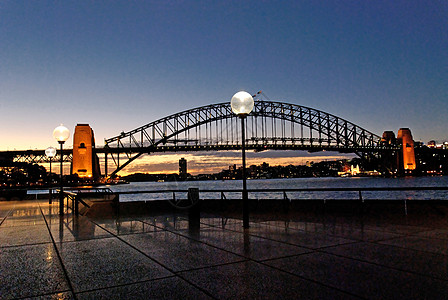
270, 126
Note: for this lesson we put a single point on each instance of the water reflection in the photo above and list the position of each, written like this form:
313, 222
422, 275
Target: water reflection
291, 183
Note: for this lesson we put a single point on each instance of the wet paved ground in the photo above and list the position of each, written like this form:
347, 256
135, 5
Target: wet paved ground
298, 256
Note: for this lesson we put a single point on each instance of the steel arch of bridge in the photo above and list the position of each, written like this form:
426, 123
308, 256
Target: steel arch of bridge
271, 125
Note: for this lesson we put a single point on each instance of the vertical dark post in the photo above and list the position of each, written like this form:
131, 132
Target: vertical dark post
61, 195
245, 197
76, 205
194, 212
105, 165
50, 194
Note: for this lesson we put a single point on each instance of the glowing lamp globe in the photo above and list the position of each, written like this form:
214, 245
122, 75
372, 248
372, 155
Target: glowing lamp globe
61, 133
242, 103
50, 152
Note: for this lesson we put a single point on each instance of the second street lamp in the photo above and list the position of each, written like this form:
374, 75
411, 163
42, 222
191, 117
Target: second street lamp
242, 104
61, 134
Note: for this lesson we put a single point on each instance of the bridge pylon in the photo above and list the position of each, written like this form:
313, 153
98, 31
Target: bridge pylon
85, 162
407, 163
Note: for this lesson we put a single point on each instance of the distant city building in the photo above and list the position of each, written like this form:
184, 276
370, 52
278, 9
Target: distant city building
432, 144
355, 170
182, 167
388, 138
265, 166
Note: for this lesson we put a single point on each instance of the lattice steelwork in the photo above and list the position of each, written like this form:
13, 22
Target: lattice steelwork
271, 125
37, 156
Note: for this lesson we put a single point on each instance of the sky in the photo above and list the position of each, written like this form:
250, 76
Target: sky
118, 65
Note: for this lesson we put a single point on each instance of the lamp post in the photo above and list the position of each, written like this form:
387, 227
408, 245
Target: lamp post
61, 134
242, 104
50, 152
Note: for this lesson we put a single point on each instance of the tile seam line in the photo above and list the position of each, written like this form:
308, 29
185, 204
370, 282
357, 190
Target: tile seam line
417, 228
351, 241
291, 244
312, 280
45, 294
311, 250
420, 230
246, 259
223, 249
401, 247
24, 245
125, 284
321, 233
64, 270
381, 265
7, 215
266, 265
233, 253
378, 243
159, 263
239, 232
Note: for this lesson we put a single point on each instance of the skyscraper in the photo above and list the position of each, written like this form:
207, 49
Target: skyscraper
183, 167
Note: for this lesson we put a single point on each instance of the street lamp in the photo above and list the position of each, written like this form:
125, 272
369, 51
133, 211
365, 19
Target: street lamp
242, 104
61, 134
50, 152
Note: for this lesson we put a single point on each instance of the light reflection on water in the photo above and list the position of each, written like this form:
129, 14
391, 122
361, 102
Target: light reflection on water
292, 183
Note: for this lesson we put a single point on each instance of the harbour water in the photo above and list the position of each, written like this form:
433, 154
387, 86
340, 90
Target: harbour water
292, 183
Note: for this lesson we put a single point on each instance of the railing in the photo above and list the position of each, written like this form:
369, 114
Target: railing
73, 196
287, 194
91, 191
193, 195
285, 191
74, 199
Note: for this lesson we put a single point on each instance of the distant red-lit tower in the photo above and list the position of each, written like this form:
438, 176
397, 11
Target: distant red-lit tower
407, 155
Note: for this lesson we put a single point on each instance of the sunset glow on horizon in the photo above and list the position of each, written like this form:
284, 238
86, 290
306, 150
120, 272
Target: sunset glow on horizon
212, 162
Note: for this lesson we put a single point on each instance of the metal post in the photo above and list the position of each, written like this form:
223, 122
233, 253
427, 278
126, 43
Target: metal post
50, 194
105, 165
245, 197
61, 195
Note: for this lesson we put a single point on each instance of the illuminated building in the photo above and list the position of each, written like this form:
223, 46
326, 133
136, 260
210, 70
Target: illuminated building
183, 167
355, 170
85, 162
388, 138
407, 156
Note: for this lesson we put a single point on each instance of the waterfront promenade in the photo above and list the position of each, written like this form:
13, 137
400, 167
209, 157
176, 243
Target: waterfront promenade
306, 254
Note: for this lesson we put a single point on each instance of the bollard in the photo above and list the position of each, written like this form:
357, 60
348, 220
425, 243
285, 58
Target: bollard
194, 212
193, 195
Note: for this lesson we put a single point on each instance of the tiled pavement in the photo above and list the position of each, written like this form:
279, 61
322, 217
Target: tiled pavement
45, 256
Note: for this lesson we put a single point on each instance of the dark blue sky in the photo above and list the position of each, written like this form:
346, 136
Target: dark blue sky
118, 65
